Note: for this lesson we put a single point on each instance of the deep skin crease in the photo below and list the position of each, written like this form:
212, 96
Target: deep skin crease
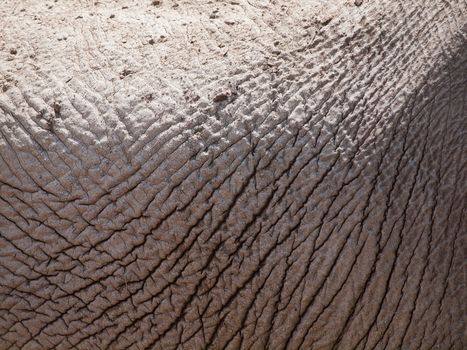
238, 175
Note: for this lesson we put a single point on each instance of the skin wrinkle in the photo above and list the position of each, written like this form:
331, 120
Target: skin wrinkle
317, 204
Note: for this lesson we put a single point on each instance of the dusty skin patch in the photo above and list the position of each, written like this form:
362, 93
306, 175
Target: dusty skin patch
189, 49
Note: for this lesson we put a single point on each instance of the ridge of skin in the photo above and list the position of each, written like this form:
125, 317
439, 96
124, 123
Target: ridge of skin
238, 174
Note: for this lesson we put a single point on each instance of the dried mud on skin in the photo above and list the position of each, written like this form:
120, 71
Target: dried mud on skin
233, 174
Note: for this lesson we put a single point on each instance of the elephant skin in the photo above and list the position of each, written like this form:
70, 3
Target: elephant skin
233, 174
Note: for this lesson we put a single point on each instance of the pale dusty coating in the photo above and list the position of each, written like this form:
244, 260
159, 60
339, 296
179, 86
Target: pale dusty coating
242, 174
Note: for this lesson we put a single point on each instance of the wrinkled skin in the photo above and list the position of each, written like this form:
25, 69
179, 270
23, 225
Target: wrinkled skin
294, 179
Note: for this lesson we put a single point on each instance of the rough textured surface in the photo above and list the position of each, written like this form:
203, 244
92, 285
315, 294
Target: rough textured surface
237, 174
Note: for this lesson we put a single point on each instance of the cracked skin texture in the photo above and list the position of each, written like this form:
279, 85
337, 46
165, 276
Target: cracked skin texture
233, 175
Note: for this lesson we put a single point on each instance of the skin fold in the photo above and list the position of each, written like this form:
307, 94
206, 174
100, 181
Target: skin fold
233, 174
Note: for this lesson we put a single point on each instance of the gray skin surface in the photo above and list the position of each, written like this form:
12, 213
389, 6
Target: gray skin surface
233, 175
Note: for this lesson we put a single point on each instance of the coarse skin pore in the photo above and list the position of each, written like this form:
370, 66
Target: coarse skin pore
249, 174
